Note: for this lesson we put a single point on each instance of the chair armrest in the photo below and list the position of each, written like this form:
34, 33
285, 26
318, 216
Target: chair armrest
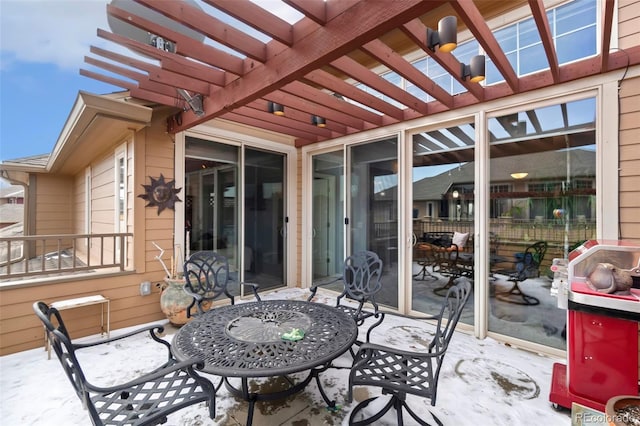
315, 287
367, 348
414, 317
254, 288
186, 365
152, 329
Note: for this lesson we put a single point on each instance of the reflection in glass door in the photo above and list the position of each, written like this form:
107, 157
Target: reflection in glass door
265, 223
211, 203
328, 215
369, 185
373, 208
443, 213
543, 204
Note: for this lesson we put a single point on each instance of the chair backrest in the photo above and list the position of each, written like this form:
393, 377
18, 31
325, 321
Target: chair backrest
362, 276
450, 312
63, 347
206, 275
529, 265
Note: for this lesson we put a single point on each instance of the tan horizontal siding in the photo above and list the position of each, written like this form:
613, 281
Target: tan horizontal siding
630, 157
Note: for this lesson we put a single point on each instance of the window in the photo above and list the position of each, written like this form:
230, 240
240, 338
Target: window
573, 28
120, 193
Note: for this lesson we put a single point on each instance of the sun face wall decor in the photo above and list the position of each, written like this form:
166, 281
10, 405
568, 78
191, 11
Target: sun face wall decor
160, 193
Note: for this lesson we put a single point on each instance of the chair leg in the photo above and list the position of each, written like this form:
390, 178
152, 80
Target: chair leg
425, 274
515, 290
394, 402
373, 418
442, 291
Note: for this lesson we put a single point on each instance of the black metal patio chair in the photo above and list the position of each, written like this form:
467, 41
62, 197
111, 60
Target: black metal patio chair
401, 372
362, 280
527, 265
145, 400
207, 278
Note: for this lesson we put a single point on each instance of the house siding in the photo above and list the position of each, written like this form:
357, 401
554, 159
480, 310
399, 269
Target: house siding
62, 199
54, 213
630, 159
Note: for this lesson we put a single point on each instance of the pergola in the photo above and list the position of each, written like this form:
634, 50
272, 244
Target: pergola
310, 67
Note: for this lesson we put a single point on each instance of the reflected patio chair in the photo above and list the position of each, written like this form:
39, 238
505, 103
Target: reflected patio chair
527, 266
207, 278
400, 372
145, 400
361, 281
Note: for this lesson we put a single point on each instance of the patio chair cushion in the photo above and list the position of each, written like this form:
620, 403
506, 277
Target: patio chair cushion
460, 239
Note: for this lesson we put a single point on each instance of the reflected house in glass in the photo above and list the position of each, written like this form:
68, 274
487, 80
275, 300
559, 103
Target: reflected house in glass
533, 198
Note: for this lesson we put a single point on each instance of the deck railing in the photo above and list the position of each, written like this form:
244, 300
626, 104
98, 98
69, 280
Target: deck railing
27, 256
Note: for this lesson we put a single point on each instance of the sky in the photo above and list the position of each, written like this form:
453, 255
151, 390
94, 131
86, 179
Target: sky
43, 44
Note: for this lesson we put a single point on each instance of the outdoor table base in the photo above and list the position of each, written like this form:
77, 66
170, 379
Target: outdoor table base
252, 397
245, 341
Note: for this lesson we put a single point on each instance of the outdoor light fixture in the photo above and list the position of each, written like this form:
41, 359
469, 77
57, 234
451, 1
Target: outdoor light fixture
455, 193
194, 101
446, 37
474, 71
318, 121
276, 109
519, 175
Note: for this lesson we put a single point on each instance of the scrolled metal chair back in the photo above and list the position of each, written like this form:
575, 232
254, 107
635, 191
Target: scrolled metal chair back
450, 312
362, 276
207, 273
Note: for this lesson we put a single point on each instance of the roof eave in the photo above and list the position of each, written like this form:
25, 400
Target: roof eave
90, 111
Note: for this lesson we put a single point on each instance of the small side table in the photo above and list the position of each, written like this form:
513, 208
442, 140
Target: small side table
97, 299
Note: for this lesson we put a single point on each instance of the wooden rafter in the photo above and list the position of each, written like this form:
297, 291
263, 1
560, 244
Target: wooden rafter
329, 63
540, 17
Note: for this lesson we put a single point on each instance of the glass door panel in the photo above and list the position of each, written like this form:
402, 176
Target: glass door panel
211, 203
265, 224
328, 216
373, 208
543, 180
443, 209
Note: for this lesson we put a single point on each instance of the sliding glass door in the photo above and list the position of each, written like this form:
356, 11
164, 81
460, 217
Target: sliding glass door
443, 214
265, 224
328, 215
216, 196
373, 208
355, 207
542, 205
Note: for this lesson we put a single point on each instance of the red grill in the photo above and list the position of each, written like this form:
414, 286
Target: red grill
602, 330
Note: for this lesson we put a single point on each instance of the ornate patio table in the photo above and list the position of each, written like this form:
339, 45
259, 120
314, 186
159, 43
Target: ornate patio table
245, 340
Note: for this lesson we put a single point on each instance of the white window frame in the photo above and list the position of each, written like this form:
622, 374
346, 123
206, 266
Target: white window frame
121, 192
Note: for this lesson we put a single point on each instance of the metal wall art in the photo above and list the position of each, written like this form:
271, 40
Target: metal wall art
160, 193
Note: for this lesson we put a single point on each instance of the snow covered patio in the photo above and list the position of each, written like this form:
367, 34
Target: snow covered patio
482, 382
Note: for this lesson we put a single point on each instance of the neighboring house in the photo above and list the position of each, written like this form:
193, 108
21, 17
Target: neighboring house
11, 206
284, 199
436, 197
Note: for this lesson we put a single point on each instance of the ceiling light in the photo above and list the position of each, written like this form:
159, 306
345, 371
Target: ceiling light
318, 121
475, 70
276, 109
446, 37
519, 175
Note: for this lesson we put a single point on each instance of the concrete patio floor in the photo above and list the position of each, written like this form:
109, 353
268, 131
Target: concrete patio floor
482, 382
